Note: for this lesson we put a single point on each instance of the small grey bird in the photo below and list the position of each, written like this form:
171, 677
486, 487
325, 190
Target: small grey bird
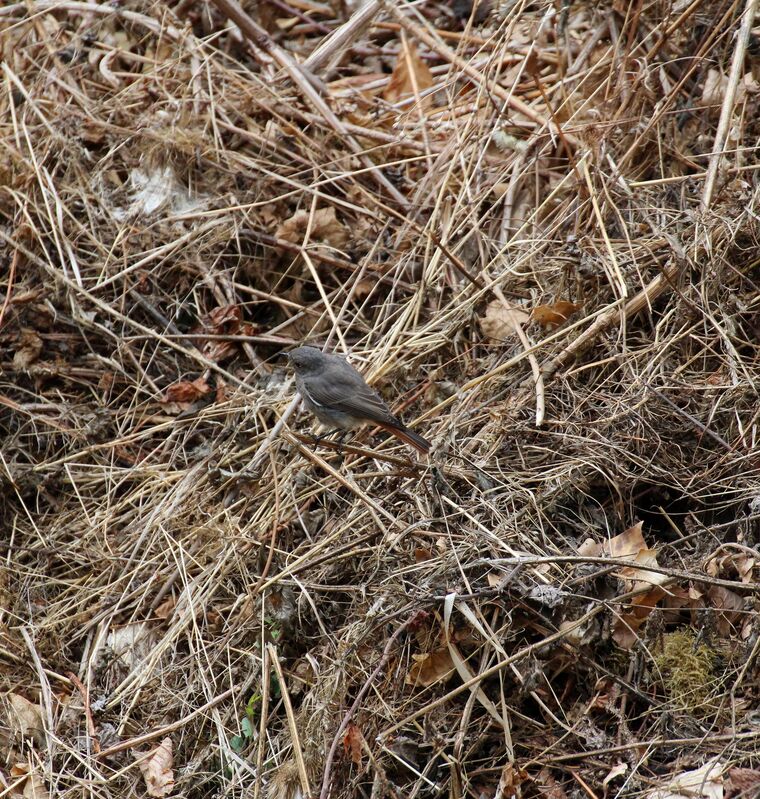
341, 399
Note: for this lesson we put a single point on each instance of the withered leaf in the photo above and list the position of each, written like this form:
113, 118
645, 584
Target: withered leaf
742, 782
157, 769
727, 565
131, 643
626, 624
640, 577
551, 316
630, 545
33, 786
223, 319
25, 718
28, 350
617, 771
510, 780
219, 351
500, 321
411, 75
548, 785
430, 668
730, 606
186, 392
352, 743
325, 228
166, 608
705, 782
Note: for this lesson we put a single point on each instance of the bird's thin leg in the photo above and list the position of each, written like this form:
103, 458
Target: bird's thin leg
322, 436
341, 439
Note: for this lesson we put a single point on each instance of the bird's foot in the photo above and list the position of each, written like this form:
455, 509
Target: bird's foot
323, 436
341, 438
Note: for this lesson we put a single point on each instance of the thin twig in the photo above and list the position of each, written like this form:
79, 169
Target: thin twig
727, 108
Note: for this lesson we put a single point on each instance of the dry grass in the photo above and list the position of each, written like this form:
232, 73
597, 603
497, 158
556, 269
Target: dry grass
179, 205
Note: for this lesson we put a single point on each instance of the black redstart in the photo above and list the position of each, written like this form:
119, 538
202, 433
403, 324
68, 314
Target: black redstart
340, 398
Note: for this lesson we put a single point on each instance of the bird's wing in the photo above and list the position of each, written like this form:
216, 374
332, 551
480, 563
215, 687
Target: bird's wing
347, 392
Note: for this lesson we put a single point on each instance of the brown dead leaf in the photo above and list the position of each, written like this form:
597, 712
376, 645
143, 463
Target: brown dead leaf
363, 288
640, 577
223, 319
679, 599
499, 322
745, 566
742, 783
626, 625
352, 744
730, 606
630, 545
430, 668
326, 228
220, 351
705, 782
186, 392
714, 88
166, 608
510, 780
25, 718
130, 643
548, 785
410, 76
732, 564
625, 545
716, 84
616, 771
33, 786
157, 771
28, 350
552, 316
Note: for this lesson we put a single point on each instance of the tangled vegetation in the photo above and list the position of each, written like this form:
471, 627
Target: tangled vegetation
534, 227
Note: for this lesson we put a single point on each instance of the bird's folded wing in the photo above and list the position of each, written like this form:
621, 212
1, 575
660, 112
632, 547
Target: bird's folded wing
353, 397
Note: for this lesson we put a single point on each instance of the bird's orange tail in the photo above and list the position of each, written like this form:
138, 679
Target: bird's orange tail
409, 437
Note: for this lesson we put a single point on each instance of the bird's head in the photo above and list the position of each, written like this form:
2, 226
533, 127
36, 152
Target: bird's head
306, 360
